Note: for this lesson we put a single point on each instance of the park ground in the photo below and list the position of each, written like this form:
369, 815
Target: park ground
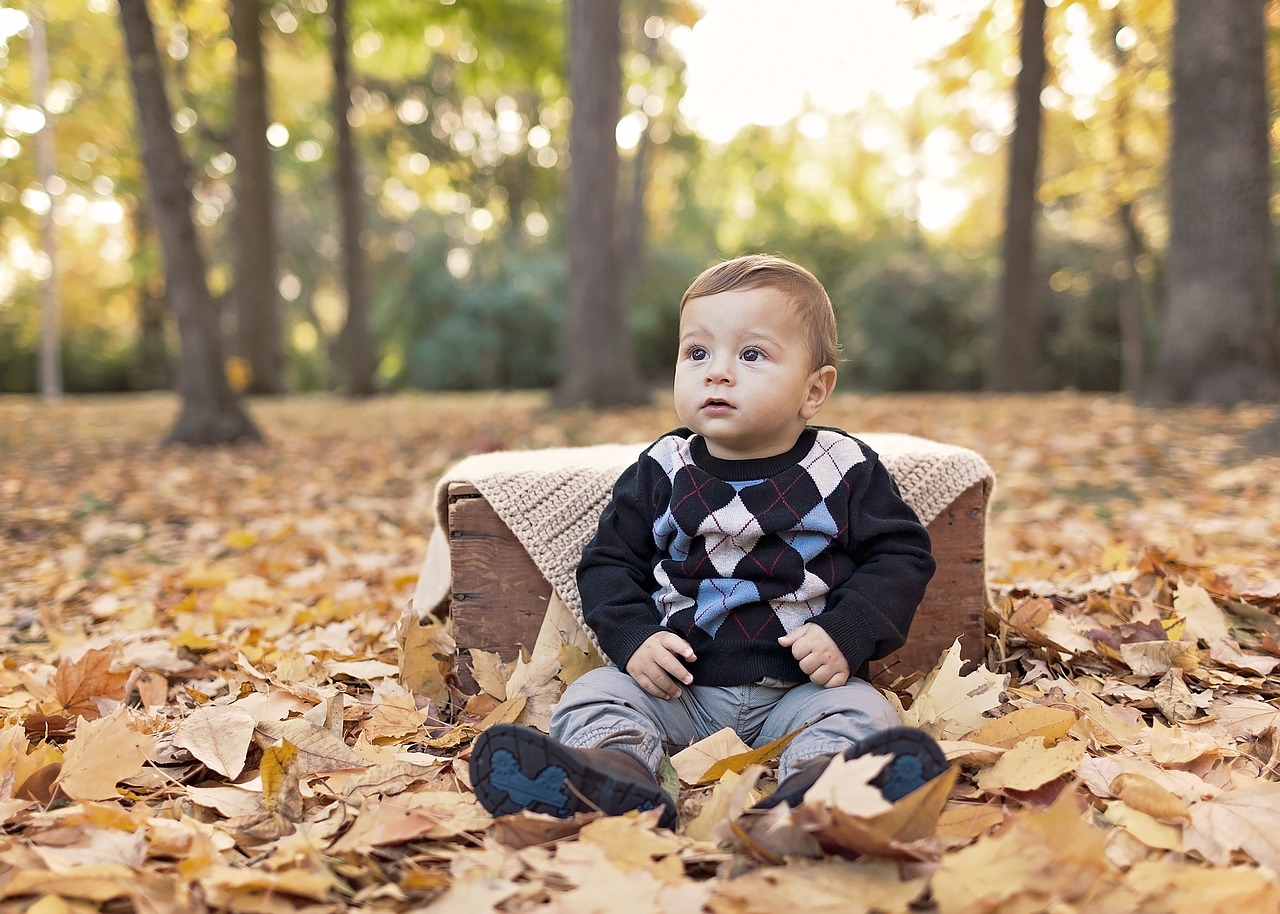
143, 588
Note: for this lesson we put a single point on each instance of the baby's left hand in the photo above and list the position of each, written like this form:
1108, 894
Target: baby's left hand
819, 657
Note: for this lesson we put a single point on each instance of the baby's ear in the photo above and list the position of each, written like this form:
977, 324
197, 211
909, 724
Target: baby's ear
821, 383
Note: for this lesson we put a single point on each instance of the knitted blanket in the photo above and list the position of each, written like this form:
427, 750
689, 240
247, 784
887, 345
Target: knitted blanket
551, 500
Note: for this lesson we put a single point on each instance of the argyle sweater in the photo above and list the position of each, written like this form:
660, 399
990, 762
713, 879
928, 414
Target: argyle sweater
732, 554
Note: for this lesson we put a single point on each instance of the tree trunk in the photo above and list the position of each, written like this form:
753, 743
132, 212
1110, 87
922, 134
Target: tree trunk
152, 366
211, 413
355, 346
1219, 339
257, 293
1133, 308
599, 369
1013, 362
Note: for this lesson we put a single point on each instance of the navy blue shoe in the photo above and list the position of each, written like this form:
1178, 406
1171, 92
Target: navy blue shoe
515, 768
916, 759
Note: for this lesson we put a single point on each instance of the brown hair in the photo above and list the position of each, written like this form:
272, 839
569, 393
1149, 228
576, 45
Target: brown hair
798, 285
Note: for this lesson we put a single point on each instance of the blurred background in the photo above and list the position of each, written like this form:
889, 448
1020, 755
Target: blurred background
381, 191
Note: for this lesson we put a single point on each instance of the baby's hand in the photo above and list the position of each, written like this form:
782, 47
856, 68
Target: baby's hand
820, 659
656, 664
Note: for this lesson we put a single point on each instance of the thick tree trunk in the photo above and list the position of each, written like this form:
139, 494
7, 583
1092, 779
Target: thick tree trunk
257, 292
1013, 360
211, 413
355, 345
1219, 339
599, 369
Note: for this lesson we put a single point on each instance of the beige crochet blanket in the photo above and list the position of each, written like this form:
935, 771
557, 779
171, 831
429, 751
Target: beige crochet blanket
551, 500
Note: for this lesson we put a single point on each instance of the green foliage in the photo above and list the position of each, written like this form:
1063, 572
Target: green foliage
498, 327
914, 320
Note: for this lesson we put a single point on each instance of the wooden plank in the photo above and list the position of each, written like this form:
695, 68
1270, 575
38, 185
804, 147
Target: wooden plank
499, 595
955, 601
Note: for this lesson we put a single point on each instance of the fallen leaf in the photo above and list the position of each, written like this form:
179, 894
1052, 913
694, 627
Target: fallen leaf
489, 672
1145, 827
79, 682
103, 753
694, 761
219, 736
1030, 764
949, 705
1246, 820
1145, 795
435, 814
1205, 621
318, 748
1050, 724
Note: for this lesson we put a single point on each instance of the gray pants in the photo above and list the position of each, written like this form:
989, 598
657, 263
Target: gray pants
606, 708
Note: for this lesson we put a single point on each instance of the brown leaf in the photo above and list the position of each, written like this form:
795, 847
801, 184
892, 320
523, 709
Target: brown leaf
410, 816
79, 682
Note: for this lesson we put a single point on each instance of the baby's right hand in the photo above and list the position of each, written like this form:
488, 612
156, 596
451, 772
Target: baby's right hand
657, 666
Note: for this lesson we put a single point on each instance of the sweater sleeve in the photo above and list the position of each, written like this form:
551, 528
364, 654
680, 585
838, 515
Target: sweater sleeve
615, 575
868, 615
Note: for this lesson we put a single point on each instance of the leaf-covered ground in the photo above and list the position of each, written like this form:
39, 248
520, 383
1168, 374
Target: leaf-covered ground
200, 706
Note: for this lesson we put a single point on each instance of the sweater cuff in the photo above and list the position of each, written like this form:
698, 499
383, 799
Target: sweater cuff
622, 644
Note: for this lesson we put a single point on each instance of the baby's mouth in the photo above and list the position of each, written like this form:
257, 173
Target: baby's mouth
716, 403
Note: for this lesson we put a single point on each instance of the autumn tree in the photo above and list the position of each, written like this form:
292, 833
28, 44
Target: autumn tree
355, 345
1219, 339
599, 369
255, 236
1013, 360
211, 412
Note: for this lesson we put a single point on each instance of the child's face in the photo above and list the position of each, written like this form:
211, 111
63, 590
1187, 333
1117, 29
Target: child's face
744, 376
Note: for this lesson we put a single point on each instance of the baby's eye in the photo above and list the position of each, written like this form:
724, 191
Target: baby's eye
697, 353
752, 354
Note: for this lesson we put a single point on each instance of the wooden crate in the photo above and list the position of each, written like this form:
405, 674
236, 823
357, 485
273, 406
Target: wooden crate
499, 596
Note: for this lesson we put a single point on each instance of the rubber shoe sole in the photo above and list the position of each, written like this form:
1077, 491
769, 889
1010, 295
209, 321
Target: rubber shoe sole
916, 759
516, 768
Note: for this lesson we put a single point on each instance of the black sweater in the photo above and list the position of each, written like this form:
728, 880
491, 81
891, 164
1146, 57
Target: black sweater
732, 554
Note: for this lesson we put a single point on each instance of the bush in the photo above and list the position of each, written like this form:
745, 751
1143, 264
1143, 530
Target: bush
914, 321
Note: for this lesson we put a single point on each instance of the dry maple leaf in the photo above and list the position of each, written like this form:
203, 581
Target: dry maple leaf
79, 682
103, 753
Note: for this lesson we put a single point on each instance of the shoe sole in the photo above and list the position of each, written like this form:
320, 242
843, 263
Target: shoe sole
514, 768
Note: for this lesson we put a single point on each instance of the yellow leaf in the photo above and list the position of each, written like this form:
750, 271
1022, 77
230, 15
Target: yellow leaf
1204, 619
732, 794
505, 713
202, 577
279, 775
103, 753
950, 705
241, 539
1144, 827
741, 761
1029, 765
93, 882
489, 672
692, 762
1050, 724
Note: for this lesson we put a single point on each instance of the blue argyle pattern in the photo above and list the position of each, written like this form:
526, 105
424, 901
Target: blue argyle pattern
756, 554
